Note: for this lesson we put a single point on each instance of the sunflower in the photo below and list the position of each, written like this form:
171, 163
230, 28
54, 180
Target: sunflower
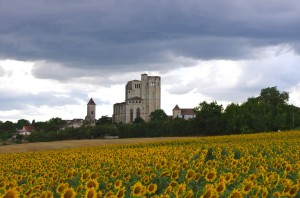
236, 194
94, 176
207, 193
174, 184
68, 193
121, 193
61, 188
99, 194
247, 188
92, 184
294, 190
264, 192
197, 176
288, 168
91, 193
138, 189
151, 188
118, 184
146, 179
2, 184
85, 175
181, 188
221, 187
168, 190
175, 175
190, 175
152, 175
114, 174
109, 194
11, 193
211, 175
189, 194
245, 169
158, 166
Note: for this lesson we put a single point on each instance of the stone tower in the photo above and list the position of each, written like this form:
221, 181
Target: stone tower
91, 112
150, 94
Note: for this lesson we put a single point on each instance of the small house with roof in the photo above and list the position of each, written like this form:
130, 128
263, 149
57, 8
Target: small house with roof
25, 131
185, 113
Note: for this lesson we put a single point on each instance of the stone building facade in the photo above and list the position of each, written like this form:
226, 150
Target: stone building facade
141, 98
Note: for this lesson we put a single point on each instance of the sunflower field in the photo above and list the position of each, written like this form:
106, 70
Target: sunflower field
254, 165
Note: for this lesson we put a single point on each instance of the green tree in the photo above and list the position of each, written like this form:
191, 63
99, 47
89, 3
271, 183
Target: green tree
138, 120
158, 115
209, 117
21, 123
103, 121
8, 126
275, 106
233, 118
54, 124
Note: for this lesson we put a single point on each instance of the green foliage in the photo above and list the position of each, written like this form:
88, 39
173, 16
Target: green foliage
158, 115
21, 123
138, 120
104, 120
210, 117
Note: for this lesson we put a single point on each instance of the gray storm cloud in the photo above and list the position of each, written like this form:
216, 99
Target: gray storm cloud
130, 34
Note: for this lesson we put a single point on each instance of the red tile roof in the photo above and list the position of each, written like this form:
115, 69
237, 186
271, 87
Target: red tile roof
27, 128
187, 112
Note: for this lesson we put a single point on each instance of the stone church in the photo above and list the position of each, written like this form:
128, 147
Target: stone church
141, 98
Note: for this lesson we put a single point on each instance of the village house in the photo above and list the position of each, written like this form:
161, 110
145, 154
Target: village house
186, 113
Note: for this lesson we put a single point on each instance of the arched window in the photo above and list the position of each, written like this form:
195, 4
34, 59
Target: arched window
131, 115
138, 112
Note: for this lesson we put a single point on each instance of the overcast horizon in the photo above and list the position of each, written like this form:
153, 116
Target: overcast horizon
56, 55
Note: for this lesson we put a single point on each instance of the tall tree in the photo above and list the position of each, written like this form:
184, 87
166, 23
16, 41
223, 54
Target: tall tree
209, 117
233, 116
21, 123
275, 105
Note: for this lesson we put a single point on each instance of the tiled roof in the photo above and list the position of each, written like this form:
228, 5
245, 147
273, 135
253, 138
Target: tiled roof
91, 102
187, 112
27, 128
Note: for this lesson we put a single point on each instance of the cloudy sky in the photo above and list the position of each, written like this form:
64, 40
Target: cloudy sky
55, 55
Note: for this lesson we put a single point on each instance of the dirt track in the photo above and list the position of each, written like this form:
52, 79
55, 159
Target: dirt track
44, 146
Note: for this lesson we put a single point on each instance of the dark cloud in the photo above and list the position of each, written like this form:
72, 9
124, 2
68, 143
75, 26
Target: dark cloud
132, 34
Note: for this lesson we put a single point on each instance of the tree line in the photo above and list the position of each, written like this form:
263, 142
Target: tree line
269, 111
